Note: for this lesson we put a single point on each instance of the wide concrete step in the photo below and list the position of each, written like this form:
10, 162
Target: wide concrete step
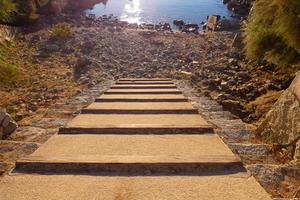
141, 98
81, 187
144, 82
137, 124
143, 91
180, 154
145, 86
140, 108
144, 79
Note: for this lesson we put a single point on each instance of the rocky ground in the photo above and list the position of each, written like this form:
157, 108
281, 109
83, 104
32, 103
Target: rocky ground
72, 71
214, 62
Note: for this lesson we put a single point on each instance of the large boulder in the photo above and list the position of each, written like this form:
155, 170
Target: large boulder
282, 122
7, 124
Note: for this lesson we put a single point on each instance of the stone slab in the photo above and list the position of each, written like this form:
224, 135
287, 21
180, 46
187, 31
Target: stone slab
79, 187
143, 91
140, 108
137, 148
142, 98
144, 82
145, 86
144, 79
139, 121
137, 124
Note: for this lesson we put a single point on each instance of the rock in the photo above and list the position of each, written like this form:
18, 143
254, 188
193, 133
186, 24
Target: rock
2, 116
6, 120
190, 28
231, 82
88, 46
226, 24
13, 150
297, 151
250, 149
7, 124
234, 106
91, 17
232, 61
266, 174
58, 89
5, 167
51, 47
244, 75
147, 34
28, 134
9, 129
179, 23
282, 122
239, 7
217, 16
82, 61
231, 104
224, 85
184, 75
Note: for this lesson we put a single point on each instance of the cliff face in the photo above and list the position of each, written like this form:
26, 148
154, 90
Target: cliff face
282, 123
59, 6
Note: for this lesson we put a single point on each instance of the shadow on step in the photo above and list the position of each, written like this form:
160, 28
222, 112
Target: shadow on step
131, 169
137, 131
138, 112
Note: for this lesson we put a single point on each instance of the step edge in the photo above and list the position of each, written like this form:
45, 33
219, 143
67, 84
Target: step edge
138, 111
136, 131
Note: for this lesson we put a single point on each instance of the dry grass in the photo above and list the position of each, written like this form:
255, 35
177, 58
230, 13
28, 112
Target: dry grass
9, 68
263, 104
61, 31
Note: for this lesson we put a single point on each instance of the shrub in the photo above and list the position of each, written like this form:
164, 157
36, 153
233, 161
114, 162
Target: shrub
27, 11
9, 72
272, 31
8, 9
61, 31
19, 12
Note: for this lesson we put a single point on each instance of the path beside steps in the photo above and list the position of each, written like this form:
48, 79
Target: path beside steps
141, 139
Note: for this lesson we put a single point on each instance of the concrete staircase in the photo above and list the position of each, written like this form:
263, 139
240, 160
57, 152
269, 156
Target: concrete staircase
142, 139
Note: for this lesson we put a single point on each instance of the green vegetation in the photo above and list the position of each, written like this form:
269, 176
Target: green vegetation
18, 12
9, 71
61, 31
27, 11
273, 30
8, 9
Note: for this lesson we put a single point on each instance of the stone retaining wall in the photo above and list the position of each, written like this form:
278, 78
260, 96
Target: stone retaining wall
282, 123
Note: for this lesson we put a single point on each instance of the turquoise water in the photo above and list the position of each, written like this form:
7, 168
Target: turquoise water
155, 11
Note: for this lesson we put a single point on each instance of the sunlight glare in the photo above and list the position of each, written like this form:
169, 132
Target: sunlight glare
132, 11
